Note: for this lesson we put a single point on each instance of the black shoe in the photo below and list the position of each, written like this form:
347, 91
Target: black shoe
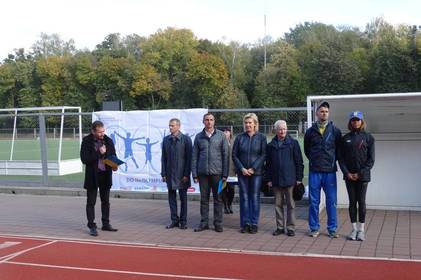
230, 209
245, 228
172, 225
183, 226
219, 229
278, 231
93, 231
253, 229
201, 228
108, 228
226, 210
290, 232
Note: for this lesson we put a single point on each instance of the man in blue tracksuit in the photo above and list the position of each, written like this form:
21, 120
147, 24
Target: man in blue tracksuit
321, 146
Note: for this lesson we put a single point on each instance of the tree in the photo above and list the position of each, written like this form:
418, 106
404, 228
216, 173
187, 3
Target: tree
326, 58
148, 82
282, 84
113, 80
208, 79
53, 45
393, 67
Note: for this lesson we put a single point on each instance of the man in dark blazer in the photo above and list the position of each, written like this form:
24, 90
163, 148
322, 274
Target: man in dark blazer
175, 171
95, 148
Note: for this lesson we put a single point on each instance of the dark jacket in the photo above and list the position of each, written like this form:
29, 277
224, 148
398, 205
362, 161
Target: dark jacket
210, 154
176, 160
249, 152
284, 162
322, 151
90, 156
357, 150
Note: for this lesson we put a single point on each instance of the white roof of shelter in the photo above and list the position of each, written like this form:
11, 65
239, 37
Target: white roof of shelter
386, 113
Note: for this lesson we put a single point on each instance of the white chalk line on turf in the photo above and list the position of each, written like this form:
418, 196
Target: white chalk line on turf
18, 253
121, 271
204, 249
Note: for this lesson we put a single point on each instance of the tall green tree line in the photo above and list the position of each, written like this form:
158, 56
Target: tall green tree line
174, 69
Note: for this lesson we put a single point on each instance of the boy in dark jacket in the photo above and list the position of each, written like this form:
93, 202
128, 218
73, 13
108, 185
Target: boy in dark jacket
357, 150
321, 146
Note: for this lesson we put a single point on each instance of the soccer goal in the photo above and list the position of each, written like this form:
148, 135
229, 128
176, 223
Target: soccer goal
34, 141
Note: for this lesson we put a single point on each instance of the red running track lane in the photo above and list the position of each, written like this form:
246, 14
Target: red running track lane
90, 260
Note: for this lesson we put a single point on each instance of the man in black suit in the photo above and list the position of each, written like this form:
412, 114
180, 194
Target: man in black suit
95, 148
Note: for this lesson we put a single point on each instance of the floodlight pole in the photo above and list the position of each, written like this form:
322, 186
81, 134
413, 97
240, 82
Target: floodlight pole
43, 146
264, 43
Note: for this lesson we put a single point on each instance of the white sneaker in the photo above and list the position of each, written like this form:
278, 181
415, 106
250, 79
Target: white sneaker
352, 235
313, 233
360, 236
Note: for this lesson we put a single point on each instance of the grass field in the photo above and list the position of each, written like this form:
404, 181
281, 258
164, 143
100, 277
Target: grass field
29, 149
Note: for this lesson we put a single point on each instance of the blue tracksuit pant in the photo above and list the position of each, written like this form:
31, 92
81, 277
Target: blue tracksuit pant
327, 181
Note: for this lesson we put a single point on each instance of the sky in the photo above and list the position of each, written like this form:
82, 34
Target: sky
88, 22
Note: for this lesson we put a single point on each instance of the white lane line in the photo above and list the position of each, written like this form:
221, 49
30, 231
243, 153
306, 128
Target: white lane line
203, 249
121, 271
8, 244
15, 254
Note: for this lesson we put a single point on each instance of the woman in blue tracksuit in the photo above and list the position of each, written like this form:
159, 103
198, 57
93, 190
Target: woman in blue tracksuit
357, 150
248, 155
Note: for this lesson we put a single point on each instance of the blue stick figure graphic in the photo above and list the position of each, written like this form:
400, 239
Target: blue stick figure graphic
148, 152
128, 151
112, 135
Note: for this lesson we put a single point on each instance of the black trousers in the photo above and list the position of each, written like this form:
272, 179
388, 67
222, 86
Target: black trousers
228, 195
172, 200
104, 194
207, 185
356, 193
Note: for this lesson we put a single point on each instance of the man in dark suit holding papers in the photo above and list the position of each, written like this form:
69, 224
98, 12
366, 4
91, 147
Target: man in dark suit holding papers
96, 147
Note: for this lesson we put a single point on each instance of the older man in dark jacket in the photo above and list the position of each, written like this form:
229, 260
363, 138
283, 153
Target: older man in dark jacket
209, 167
95, 148
284, 169
175, 171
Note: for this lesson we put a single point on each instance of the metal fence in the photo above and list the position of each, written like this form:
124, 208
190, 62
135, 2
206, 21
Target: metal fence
29, 138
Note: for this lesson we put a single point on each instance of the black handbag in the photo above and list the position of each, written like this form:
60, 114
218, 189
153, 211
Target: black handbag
298, 191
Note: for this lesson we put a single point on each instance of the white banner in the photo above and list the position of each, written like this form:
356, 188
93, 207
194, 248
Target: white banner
138, 136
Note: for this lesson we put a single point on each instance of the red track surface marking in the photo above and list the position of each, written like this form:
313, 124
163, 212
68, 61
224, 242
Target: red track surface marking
24, 244
90, 260
17, 271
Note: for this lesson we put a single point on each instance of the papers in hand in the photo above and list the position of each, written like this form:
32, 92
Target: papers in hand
113, 161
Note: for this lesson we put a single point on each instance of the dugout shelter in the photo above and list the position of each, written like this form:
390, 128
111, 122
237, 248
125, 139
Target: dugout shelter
394, 119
